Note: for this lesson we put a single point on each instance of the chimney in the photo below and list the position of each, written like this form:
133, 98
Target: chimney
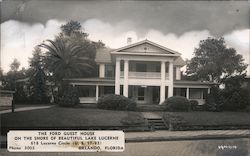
129, 40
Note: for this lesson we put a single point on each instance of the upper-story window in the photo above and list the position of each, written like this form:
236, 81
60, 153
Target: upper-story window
109, 71
167, 67
141, 67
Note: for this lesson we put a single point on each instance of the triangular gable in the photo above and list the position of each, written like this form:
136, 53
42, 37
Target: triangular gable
146, 46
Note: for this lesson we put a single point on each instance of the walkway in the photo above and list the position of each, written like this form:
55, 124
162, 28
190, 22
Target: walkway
25, 109
185, 135
152, 115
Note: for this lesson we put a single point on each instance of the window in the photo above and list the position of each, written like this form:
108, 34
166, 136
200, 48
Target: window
141, 93
86, 91
141, 67
109, 71
196, 93
109, 90
158, 68
167, 67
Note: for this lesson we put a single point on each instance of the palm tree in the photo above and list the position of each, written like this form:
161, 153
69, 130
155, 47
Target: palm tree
66, 60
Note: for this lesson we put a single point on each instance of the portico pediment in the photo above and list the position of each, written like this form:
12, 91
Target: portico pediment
146, 47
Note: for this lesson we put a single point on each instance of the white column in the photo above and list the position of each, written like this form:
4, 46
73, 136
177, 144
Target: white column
187, 93
208, 90
117, 77
171, 79
178, 73
102, 70
96, 92
125, 86
163, 77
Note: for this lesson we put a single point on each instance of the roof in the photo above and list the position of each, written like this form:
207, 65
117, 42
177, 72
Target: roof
179, 62
187, 82
92, 81
103, 55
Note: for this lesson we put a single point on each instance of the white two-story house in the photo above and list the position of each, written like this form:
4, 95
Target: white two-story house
144, 71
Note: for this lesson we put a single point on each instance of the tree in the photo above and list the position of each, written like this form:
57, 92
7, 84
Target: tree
9, 80
235, 97
14, 66
71, 54
38, 78
73, 28
214, 61
63, 61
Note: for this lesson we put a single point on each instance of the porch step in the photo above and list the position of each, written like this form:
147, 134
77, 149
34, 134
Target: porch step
157, 123
150, 108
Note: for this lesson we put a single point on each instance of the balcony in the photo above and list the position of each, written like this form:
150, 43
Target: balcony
147, 75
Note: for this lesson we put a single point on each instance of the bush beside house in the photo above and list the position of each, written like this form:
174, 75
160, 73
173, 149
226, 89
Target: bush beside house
177, 104
194, 105
236, 100
214, 101
116, 102
69, 97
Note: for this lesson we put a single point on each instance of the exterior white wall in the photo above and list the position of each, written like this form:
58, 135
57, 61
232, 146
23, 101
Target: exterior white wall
171, 79
125, 83
117, 76
178, 73
123, 78
102, 70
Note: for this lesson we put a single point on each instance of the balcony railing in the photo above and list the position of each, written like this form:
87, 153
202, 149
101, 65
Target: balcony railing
153, 75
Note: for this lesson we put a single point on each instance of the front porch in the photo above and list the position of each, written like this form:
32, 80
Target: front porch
91, 89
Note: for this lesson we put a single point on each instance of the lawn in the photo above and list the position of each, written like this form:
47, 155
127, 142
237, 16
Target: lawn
213, 120
61, 117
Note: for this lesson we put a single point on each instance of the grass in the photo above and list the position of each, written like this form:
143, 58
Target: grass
216, 120
57, 117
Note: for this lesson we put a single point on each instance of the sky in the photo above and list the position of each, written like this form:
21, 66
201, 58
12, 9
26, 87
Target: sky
177, 25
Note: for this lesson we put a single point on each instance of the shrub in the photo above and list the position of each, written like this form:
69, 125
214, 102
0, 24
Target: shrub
116, 102
69, 97
175, 122
194, 104
236, 100
177, 103
235, 96
214, 100
133, 119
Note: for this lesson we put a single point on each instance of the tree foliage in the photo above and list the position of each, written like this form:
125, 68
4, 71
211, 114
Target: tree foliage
9, 80
14, 66
214, 61
63, 60
73, 28
71, 54
38, 78
235, 97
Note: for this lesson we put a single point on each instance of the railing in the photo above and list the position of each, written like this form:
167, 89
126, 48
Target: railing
153, 75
